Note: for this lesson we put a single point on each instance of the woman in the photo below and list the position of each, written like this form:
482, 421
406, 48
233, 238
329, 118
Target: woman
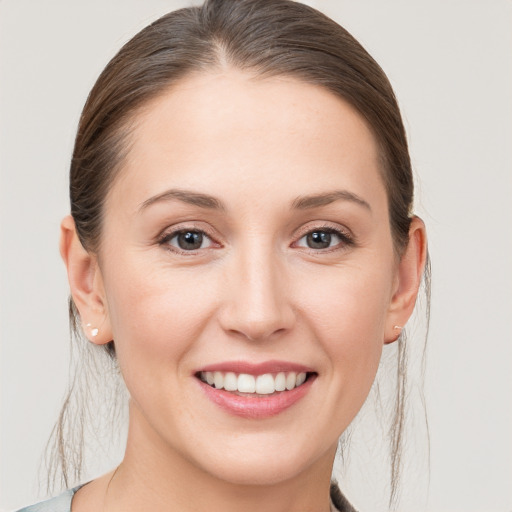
241, 241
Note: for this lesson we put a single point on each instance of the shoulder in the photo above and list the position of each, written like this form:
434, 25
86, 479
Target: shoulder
61, 503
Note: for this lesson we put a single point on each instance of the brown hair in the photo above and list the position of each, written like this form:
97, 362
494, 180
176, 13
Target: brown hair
269, 38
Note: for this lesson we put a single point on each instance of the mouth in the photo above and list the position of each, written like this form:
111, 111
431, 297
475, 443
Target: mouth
245, 384
255, 391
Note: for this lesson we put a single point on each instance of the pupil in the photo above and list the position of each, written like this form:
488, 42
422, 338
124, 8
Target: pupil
319, 240
190, 240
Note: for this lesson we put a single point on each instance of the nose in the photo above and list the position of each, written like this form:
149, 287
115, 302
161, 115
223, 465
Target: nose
257, 303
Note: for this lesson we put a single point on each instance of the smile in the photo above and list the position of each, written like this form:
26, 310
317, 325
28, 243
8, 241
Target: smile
255, 391
265, 384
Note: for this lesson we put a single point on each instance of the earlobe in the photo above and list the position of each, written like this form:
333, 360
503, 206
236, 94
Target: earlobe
409, 276
86, 284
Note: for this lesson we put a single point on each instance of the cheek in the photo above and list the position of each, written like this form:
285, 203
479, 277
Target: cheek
156, 315
348, 310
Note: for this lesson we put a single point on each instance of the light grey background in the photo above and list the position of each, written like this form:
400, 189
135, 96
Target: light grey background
450, 64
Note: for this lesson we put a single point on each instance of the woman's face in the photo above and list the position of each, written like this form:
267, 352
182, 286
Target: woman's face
245, 240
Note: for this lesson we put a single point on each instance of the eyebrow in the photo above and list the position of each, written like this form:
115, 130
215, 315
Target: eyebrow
212, 203
314, 201
186, 196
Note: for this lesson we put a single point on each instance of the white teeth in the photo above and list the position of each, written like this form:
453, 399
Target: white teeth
218, 380
246, 383
280, 382
230, 382
301, 377
291, 379
265, 384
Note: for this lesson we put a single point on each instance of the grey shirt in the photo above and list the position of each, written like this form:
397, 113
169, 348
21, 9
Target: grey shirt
62, 503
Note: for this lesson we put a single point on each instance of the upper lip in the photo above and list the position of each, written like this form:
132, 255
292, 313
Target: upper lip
256, 368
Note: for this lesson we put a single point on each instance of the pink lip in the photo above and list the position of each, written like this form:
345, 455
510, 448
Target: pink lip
256, 406
256, 368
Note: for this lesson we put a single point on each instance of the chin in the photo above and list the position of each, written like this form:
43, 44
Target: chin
259, 472
264, 463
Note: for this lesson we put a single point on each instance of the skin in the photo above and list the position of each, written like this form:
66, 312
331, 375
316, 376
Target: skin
255, 292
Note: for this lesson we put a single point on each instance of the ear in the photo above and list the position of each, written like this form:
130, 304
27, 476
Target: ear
86, 284
408, 280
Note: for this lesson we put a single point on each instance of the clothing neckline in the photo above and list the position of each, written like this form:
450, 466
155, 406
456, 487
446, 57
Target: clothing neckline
63, 502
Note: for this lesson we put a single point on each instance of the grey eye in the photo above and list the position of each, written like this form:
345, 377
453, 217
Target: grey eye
189, 240
319, 239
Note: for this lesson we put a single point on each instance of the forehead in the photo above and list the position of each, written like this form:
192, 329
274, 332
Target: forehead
232, 132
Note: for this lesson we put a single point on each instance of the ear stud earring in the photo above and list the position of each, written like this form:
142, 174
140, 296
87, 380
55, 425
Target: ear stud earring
398, 328
94, 331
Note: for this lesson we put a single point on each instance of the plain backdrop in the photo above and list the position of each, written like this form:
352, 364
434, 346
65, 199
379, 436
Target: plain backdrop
450, 64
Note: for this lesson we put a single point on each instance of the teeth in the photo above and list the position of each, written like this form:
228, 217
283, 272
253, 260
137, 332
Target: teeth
218, 380
265, 384
291, 380
280, 382
230, 382
301, 377
246, 383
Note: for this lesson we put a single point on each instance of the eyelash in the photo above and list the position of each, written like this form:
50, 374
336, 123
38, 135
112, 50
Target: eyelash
346, 239
167, 236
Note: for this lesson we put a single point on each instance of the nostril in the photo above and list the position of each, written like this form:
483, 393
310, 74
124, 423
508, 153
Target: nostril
257, 309
258, 331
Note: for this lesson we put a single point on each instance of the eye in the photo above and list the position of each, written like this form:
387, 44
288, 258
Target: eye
325, 238
187, 240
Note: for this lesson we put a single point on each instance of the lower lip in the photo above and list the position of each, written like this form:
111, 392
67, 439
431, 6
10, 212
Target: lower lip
257, 406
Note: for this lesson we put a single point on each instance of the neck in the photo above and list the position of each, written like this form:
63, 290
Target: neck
154, 476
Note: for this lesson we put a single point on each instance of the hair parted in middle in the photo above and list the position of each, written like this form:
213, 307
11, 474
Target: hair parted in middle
265, 38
